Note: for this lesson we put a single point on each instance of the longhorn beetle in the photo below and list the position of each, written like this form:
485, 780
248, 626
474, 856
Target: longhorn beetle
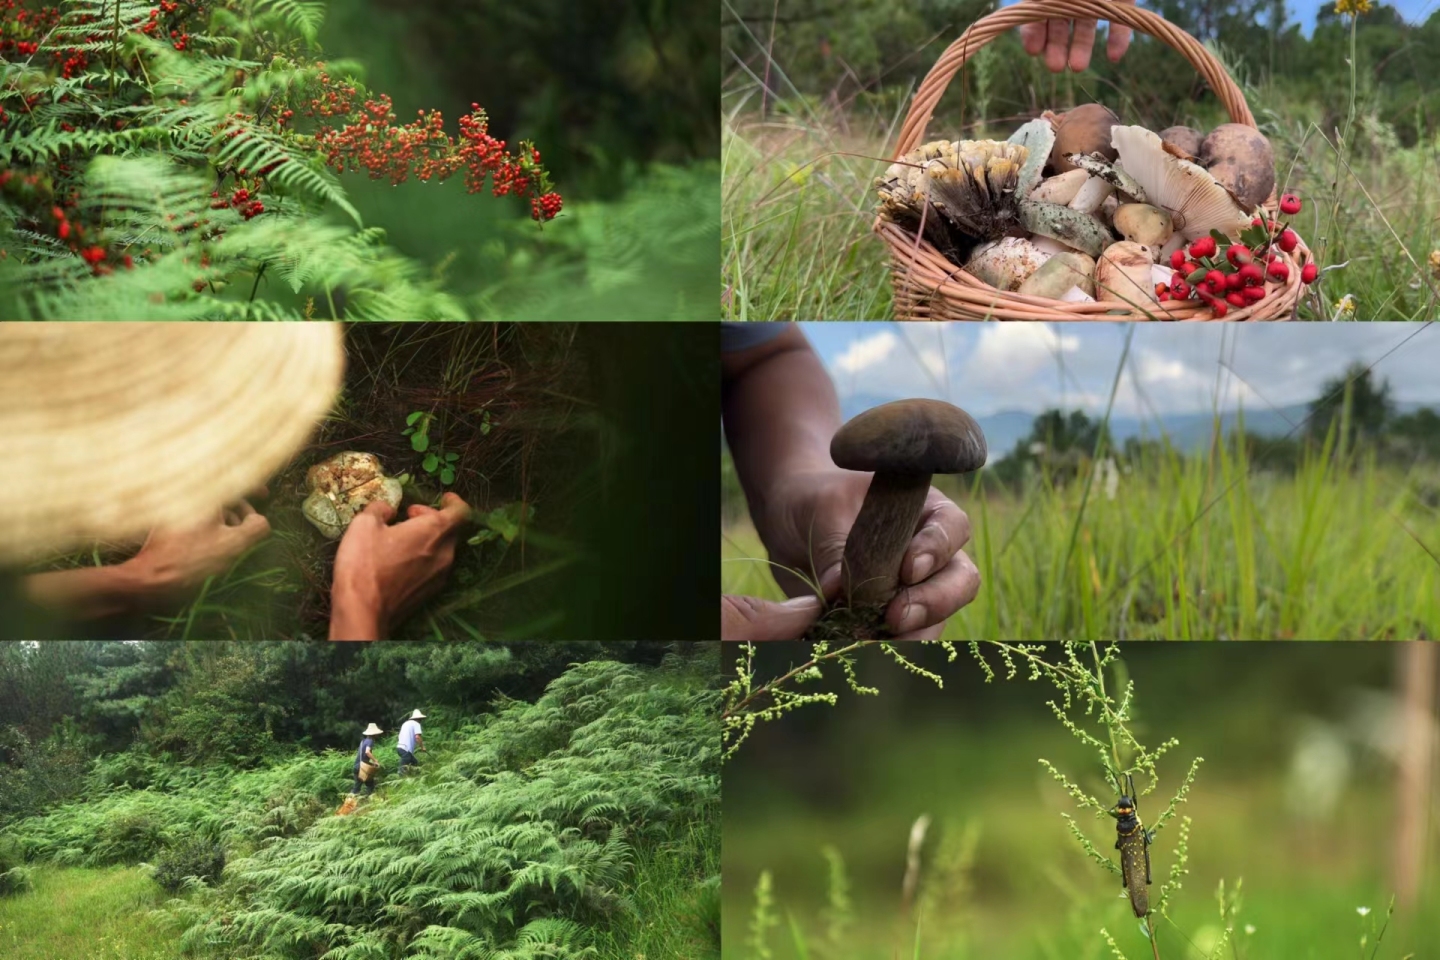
1133, 842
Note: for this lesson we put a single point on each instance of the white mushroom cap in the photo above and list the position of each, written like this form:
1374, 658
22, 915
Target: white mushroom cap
1197, 202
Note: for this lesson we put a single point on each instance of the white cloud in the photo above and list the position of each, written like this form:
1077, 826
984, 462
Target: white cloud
867, 352
1009, 354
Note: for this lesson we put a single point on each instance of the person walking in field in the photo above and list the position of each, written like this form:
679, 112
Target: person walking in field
411, 740
366, 766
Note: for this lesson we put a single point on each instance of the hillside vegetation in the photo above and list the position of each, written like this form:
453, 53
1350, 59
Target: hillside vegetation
584, 824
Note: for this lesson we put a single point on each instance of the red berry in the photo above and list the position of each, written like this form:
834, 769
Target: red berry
1251, 274
64, 229
1219, 309
1162, 295
1290, 204
1234, 281
1237, 299
1216, 279
1179, 289
1238, 253
1279, 271
1204, 247
1288, 240
1177, 259
1257, 222
1308, 273
1253, 294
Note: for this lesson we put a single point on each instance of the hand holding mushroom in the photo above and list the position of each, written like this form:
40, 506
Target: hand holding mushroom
904, 444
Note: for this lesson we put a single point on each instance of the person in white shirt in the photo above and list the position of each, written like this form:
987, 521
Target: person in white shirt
411, 740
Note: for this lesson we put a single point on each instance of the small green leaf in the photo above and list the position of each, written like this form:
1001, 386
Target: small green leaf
485, 426
430, 463
420, 443
407, 431
447, 475
410, 420
452, 457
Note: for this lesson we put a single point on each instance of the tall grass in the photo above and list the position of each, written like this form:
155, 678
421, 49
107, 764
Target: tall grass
798, 201
93, 914
1338, 550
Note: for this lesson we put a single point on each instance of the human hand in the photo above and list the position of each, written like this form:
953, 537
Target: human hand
382, 571
749, 619
172, 564
808, 517
1055, 38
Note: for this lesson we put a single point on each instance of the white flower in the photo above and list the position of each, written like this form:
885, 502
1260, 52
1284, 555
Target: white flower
1363, 911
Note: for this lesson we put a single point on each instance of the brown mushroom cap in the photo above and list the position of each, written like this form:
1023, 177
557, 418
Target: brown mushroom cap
1186, 138
1241, 158
910, 436
1085, 129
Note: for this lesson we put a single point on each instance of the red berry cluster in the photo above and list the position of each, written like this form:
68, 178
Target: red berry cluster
21, 30
1226, 274
242, 200
364, 135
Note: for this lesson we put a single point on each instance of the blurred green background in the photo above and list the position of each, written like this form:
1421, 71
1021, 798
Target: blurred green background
620, 98
1296, 796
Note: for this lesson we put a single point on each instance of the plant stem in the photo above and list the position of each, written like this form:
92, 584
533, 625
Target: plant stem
765, 688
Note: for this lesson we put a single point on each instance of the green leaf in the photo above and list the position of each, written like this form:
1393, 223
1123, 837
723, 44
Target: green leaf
1221, 240
420, 443
410, 420
485, 426
407, 431
430, 463
447, 475
452, 457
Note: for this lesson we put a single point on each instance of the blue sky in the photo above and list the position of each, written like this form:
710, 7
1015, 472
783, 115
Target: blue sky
1416, 11
1173, 368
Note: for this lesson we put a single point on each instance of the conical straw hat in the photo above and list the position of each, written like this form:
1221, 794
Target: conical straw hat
109, 429
372, 730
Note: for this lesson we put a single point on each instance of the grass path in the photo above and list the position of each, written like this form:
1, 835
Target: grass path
82, 914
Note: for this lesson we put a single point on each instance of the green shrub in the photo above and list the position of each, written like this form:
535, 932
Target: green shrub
130, 838
14, 875
195, 857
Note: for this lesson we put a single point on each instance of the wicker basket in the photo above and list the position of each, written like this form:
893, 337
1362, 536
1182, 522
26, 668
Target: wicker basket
930, 287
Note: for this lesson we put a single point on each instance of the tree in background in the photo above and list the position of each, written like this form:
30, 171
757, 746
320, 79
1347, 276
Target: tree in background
1359, 399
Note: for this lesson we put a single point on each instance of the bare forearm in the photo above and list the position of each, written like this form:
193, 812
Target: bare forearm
780, 411
87, 593
354, 615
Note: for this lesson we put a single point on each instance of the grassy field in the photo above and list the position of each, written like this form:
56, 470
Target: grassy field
88, 914
1293, 801
1327, 553
798, 204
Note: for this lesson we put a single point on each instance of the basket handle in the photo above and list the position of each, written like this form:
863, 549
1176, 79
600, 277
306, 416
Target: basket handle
990, 26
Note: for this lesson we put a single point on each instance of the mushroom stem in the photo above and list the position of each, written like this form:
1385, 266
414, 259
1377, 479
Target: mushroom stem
876, 544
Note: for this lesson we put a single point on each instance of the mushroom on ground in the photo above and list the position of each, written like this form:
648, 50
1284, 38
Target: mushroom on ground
1188, 139
904, 443
344, 485
1084, 129
1006, 263
1196, 201
1124, 275
1240, 157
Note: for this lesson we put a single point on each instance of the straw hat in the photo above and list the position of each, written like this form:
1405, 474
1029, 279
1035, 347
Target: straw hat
372, 730
109, 429
417, 715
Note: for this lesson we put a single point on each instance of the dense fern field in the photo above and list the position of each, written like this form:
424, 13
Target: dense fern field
549, 829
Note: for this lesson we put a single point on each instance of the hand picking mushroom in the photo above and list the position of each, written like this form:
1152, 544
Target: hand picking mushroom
344, 485
904, 443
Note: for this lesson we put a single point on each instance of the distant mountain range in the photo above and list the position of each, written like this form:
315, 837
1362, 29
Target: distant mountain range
1187, 431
